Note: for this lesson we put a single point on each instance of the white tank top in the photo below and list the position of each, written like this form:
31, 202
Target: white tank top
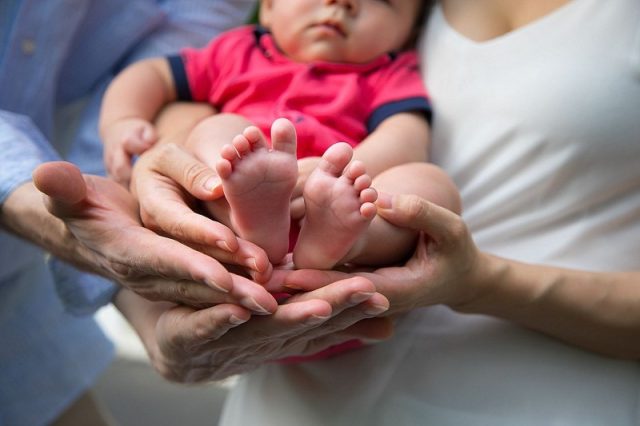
540, 128
545, 147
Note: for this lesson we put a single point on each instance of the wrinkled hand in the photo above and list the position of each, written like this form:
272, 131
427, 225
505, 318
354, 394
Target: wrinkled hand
210, 344
122, 140
108, 239
444, 269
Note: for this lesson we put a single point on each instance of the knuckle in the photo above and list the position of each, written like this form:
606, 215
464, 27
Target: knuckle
151, 294
161, 366
181, 291
203, 332
148, 220
178, 228
415, 207
164, 152
122, 271
458, 230
194, 173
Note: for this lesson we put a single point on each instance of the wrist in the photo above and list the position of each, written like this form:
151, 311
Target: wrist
484, 284
24, 214
505, 287
142, 315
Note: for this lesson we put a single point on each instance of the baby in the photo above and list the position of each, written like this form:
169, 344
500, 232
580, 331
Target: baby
313, 73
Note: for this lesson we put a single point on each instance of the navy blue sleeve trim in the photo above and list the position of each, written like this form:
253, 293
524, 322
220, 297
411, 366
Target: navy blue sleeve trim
180, 78
418, 104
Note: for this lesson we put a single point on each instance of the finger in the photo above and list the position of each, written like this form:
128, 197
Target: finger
347, 293
166, 257
338, 325
247, 255
120, 167
243, 292
192, 175
311, 279
367, 330
63, 185
188, 328
414, 212
274, 284
184, 292
287, 322
164, 209
251, 295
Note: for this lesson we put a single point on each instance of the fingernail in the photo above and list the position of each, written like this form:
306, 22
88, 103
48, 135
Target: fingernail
224, 245
292, 286
251, 263
376, 310
234, 320
215, 285
360, 297
212, 183
250, 302
385, 200
315, 320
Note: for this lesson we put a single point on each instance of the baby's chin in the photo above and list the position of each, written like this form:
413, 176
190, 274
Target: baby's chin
332, 58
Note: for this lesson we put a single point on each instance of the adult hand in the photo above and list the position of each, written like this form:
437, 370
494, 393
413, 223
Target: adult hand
446, 267
105, 236
211, 344
167, 182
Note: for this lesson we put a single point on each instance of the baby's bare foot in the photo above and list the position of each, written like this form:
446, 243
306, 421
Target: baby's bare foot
258, 183
338, 209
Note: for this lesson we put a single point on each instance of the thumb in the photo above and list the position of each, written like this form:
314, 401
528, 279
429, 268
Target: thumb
63, 185
194, 176
414, 212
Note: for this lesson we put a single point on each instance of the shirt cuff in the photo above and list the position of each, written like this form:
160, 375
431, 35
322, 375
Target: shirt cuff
81, 293
23, 148
416, 104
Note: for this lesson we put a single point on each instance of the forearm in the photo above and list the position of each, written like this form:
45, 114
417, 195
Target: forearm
143, 316
177, 120
402, 138
599, 311
140, 91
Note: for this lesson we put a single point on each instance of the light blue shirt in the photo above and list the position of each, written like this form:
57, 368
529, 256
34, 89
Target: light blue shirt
56, 58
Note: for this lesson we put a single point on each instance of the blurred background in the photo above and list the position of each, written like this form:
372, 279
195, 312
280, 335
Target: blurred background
134, 394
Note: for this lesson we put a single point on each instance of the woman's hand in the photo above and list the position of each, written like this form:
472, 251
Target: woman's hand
446, 267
